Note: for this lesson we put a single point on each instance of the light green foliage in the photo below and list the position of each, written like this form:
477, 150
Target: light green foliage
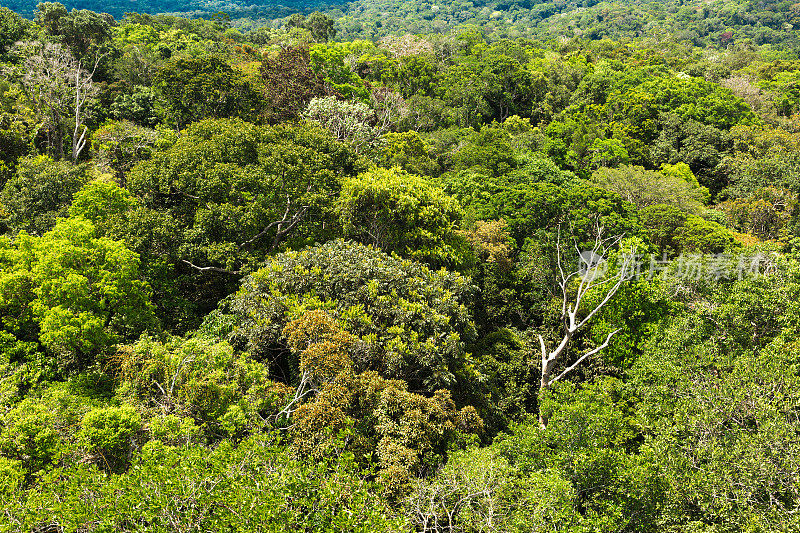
151, 234
30, 435
40, 192
103, 203
673, 231
173, 430
226, 394
74, 293
716, 388
644, 188
399, 212
701, 235
252, 487
110, 432
40, 431
20, 330
330, 61
11, 478
408, 151
88, 292
608, 152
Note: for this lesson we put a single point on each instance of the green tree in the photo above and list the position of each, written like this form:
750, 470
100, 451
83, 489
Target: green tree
320, 26
197, 88
81, 30
12, 29
408, 151
89, 294
234, 193
646, 187
225, 394
414, 321
403, 213
40, 192
118, 146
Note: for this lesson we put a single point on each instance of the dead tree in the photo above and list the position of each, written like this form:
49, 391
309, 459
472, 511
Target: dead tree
57, 86
589, 278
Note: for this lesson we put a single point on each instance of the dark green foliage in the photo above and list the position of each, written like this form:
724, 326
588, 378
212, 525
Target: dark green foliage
509, 374
81, 30
414, 322
319, 24
40, 192
234, 193
198, 88
12, 29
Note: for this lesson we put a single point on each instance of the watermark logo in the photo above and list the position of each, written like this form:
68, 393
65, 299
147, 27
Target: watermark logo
592, 265
691, 267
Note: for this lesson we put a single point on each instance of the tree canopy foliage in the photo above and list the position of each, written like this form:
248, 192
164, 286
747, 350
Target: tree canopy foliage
399, 266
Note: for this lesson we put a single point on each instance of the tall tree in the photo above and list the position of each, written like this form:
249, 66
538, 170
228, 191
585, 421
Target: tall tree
198, 88
291, 83
59, 89
575, 315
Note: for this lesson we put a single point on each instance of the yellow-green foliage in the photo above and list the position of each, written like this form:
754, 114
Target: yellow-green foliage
404, 432
227, 394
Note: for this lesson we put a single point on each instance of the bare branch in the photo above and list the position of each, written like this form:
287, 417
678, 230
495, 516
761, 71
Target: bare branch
212, 269
590, 281
585, 356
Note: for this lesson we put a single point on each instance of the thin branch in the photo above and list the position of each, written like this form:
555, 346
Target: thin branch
212, 269
584, 356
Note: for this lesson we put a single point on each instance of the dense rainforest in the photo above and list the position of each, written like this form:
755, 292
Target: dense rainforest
400, 266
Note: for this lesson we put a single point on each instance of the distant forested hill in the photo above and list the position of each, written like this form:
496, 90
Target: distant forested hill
698, 22
265, 9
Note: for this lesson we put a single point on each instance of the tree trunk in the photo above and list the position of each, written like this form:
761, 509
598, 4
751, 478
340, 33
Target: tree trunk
544, 384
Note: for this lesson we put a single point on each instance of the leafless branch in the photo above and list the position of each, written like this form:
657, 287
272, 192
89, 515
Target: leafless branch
211, 268
590, 280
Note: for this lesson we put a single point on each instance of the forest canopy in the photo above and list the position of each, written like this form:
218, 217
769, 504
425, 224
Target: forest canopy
396, 266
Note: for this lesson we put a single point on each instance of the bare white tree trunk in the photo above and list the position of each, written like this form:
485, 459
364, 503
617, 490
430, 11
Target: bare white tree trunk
589, 280
57, 87
84, 89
